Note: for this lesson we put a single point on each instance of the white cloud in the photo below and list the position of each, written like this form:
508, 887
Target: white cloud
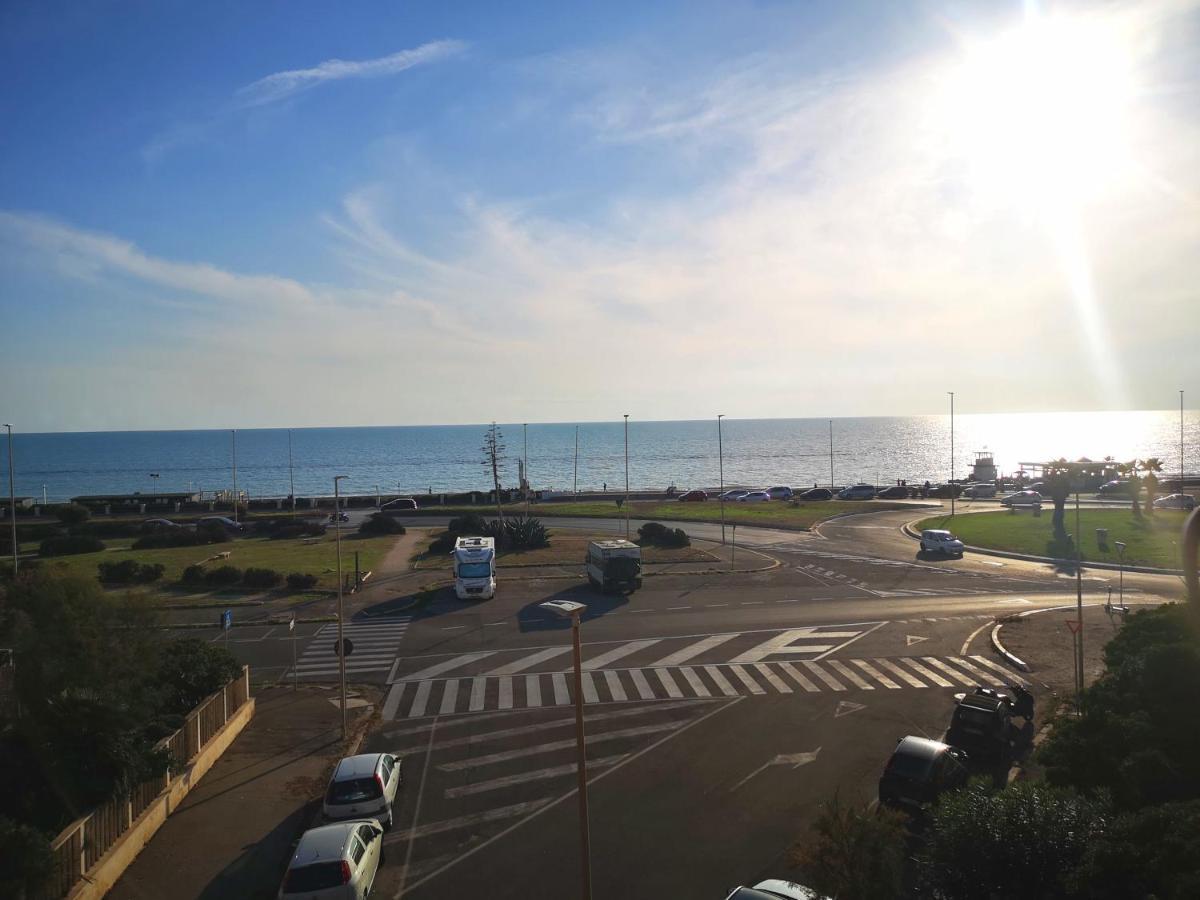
280, 85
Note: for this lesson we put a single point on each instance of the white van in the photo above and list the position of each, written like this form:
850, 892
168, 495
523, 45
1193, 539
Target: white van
475, 568
979, 489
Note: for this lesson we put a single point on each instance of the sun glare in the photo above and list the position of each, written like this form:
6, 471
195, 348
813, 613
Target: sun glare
1040, 112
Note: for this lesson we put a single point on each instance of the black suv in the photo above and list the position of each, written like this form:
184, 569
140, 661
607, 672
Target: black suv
919, 771
982, 723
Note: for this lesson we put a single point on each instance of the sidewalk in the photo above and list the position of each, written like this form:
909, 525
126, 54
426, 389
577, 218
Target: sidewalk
232, 835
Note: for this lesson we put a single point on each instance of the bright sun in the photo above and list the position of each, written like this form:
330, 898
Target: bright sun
1041, 112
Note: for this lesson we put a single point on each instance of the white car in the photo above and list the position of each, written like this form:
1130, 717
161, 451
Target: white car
1022, 498
775, 889
857, 492
734, 494
983, 489
363, 786
1175, 501
754, 497
780, 492
937, 541
335, 862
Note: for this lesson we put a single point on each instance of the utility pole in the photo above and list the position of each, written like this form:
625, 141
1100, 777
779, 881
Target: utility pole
291, 473
12, 499
721, 465
341, 647
1078, 598
626, 476
577, 460
831, 454
525, 436
951, 393
1181, 442
233, 438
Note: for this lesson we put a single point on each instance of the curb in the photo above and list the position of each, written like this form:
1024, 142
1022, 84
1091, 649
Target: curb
907, 529
312, 620
1010, 657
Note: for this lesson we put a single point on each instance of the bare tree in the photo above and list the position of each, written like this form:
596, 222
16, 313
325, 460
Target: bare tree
493, 456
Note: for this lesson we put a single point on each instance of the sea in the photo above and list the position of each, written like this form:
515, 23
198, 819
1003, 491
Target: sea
411, 460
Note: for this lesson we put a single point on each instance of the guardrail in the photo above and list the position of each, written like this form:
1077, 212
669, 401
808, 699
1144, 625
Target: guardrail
85, 841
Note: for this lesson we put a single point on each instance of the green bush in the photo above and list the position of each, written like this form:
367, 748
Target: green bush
69, 545
72, 514
194, 575
192, 669
298, 581
289, 529
655, 534
123, 572
443, 543
27, 860
182, 537
262, 579
519, 533
224, 576
469, 524
378, 523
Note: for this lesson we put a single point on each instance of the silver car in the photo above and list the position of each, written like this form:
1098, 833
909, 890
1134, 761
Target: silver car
335, 862
364, 786
775, 889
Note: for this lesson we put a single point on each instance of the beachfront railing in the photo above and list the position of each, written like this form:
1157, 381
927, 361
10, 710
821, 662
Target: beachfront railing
85, 841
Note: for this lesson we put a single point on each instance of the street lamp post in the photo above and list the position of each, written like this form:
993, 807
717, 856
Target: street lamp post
721, 466
1078, 592
576, 460
573, 610
291, 473
233, 439
12, 498
831, 454
525, 436
1121, 558
951, 393
1181, 442
626, 476
337, 530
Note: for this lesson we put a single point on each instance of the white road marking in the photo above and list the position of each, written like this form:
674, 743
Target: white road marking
774, 680
589, 688
668, 683
615, 687
494, 784
876, 674
977, 672
798, 678
695, 681
457, 663
1007, 673
553, 746
529, 661
845, 707
786, 642
449, 697
953, 673
393, 701
927, 673
561, 697
533, 690
721, 681
599, 662
478, 686
491, 815
643, 686
900, 673
849, 674
751, 685
695, 649
832, 682
506, 693
419, 701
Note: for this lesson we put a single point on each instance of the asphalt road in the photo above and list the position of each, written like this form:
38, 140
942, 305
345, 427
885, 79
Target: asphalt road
722, 709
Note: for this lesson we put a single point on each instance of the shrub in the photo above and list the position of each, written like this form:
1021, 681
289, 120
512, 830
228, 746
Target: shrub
658, 535
108, 529
150, 572
263, 579
70, 545
72, 514
129, 571
517, 533
224, 576
290, 529
470, 524
443, 543
380, 524
297, 581
182, 537
193, 575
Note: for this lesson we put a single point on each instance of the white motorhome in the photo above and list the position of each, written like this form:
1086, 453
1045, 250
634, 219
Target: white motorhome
475, 568
614, 565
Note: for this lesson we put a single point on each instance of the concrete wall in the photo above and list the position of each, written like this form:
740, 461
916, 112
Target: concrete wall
104, 874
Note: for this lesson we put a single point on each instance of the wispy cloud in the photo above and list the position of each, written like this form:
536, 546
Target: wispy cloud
280, 85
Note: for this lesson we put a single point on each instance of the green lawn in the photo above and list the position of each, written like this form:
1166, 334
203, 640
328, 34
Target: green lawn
776, 514
318, 558
1149, 541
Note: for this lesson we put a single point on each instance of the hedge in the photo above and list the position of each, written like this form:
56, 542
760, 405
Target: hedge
130, 571
658, 535
298, 581
262, 579
70, 545
378, 523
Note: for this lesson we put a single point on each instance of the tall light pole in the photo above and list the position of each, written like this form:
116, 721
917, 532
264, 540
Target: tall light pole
12, 498
291, 473
571, 609
1181, 442
1078, 591
233, 438
341, 647
1121, 557
626, 476
951, 393
576, 460
831, 454
721, 466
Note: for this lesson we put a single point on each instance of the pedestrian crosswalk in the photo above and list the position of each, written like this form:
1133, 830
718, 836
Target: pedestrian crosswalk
411, 699
375, 643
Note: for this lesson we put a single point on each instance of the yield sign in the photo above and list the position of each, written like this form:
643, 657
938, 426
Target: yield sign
1074, 626
795, 760
910, 639
845, 707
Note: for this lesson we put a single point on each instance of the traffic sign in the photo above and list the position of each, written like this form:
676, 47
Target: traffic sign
1074, 625
227, 620
347, 646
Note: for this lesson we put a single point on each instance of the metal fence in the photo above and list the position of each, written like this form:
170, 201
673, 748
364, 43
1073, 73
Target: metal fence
82, 843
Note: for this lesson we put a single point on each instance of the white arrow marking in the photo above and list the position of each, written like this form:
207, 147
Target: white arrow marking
795, 760
845, 707
910, 639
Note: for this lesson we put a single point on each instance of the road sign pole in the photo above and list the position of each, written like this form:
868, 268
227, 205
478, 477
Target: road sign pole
295, 671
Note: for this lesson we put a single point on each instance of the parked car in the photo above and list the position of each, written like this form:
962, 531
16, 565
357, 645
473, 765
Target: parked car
979, 489
754, 497
857, 492
364, 786
919, 771
1116, 486
735, 494
1022, 498
982, 727
399, 505
945, 491
1039, 486
153, 525
225, 522
817, 494
1175, 501
694, 496
939, 541
775, 889
894, 492
335, 861
780, 492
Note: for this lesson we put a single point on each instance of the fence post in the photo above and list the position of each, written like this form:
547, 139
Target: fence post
224, 704
246, 688
83, 845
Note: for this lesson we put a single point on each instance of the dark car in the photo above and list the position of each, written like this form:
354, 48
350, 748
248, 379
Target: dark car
945, 491
152, 526
693, 496
1039, 486
222, 522
982, 726
919, 771
1117, 486
817, 494
398, 507
895, 492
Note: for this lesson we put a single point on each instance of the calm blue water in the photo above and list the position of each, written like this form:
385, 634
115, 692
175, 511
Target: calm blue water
756, 452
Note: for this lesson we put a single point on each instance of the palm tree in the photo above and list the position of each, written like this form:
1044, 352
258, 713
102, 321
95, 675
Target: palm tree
1130, 471
1150, 467
1058, 483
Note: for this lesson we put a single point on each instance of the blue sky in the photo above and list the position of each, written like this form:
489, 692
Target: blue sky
303, 213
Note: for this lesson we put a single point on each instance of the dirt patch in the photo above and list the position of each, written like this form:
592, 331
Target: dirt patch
1045, 643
